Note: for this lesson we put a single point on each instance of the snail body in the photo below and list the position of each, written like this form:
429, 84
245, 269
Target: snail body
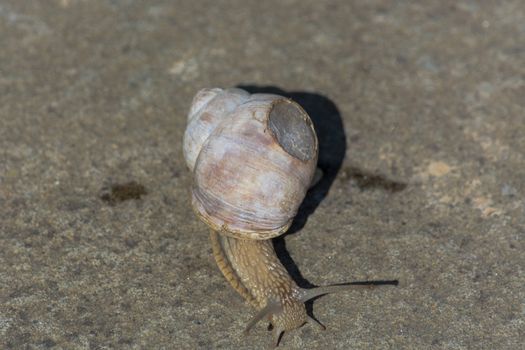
253, 269
253, 158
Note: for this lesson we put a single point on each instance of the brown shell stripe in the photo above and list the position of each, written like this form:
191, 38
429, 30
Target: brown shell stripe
228, 271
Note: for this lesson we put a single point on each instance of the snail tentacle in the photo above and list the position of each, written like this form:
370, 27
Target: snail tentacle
307, 294
267, 311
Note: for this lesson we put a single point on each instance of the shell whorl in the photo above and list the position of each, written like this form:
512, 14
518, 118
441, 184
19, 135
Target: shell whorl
255, 161
208, 109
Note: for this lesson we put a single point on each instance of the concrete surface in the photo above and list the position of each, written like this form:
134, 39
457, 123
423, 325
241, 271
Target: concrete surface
420, 107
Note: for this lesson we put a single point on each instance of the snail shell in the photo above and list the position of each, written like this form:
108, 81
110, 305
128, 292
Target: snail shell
253, 159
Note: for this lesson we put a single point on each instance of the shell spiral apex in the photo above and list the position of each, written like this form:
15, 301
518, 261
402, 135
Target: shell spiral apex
208, 109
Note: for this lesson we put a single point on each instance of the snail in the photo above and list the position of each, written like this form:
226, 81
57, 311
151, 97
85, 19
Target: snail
253, 158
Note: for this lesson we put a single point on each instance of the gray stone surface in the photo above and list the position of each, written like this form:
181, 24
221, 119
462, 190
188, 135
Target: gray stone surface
94, 94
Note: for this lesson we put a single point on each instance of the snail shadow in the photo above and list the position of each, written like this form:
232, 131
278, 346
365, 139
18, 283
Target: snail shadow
332, 147
331, 136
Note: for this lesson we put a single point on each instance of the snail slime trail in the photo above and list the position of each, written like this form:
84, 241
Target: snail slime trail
253, 158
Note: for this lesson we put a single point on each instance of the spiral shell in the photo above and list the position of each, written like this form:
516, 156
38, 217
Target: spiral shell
253, 159
208, 108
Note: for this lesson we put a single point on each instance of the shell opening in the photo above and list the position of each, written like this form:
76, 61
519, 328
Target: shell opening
292, 129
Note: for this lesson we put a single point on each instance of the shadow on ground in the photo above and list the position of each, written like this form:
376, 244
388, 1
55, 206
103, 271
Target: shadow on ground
329, 127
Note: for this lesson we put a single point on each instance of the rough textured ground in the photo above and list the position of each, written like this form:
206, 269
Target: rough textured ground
421, 115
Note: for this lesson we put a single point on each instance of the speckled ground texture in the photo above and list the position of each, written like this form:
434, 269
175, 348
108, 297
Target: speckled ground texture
420, 109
